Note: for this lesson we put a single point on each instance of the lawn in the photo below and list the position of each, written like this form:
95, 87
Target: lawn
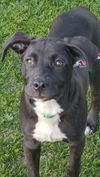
34, 17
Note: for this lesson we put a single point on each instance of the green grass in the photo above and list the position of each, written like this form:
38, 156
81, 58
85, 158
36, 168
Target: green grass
34, 17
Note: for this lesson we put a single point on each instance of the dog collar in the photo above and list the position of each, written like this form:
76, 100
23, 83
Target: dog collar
98, 56
48, 115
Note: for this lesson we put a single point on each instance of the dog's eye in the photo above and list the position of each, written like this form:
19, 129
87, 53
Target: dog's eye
30, 61
59, 62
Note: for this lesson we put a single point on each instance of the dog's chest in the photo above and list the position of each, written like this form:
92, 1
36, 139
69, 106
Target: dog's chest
47, 129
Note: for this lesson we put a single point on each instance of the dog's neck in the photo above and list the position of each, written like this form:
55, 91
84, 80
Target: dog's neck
48, 109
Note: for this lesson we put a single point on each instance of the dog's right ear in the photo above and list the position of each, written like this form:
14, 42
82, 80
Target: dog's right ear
18, 42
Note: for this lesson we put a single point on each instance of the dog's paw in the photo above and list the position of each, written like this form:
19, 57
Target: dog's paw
88, 131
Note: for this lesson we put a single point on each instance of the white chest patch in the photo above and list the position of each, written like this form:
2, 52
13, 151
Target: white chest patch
47, 129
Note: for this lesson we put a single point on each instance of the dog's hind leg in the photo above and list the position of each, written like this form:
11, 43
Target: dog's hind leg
92, 119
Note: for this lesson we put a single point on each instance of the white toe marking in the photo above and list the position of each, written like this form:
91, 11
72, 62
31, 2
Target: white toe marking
88, 131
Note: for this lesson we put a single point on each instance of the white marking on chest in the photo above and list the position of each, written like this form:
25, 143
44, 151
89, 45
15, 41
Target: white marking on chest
47, 129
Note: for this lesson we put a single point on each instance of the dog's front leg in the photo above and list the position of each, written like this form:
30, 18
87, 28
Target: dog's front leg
32, 159
75, 158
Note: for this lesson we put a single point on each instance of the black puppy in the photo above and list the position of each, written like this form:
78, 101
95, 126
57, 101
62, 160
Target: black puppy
56, 72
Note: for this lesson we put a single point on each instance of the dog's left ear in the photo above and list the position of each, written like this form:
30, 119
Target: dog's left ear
76, 52
18, 42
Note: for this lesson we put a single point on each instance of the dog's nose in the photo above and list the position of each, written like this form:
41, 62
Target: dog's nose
38, 84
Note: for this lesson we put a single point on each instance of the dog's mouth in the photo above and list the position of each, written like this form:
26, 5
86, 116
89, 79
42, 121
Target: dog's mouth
49, 93
38, 98
43, 98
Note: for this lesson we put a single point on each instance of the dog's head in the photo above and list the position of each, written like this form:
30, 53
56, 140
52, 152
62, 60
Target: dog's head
47, 64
